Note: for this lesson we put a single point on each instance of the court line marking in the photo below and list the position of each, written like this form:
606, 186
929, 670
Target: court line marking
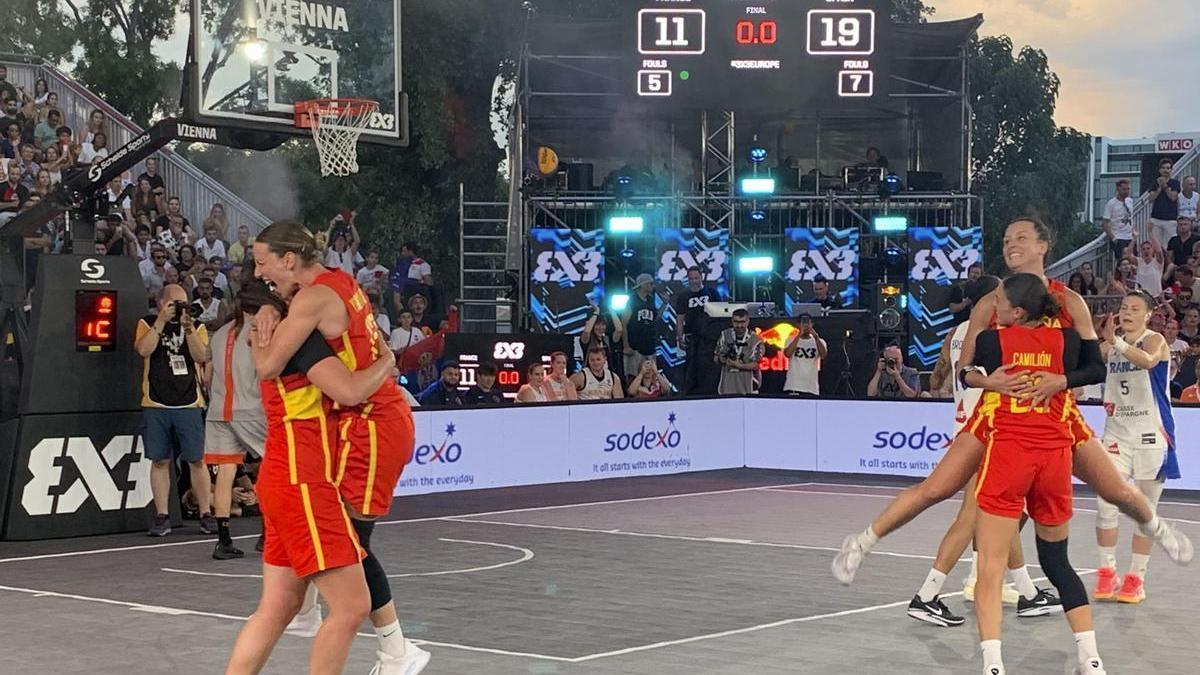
175, 611
119, 549
952, 500
526, 555
895, 487
681, 537
764, 626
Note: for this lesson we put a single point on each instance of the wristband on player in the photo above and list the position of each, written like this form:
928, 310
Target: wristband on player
1121, 345
965, 370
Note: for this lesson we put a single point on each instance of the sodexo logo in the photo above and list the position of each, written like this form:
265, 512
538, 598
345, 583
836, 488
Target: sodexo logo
645, 439
447, 452
921, 439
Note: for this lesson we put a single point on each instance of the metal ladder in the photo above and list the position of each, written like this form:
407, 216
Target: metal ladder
489, 298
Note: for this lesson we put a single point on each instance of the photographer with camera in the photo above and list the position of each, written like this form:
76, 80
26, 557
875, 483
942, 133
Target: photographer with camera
173, 347
892, 378
739, 352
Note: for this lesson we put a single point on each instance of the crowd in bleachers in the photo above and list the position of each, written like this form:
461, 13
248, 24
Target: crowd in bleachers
1163, 262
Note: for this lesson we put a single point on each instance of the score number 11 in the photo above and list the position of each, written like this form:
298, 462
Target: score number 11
671, 31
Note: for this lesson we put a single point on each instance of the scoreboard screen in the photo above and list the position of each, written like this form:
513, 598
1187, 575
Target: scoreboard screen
512, 355
757, 54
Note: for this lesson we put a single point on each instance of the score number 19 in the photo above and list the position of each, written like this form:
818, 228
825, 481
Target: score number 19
841, 32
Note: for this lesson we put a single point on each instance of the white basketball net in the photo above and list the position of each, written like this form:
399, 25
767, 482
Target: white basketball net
336, 126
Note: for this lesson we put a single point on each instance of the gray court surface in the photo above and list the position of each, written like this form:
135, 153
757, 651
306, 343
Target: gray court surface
719, 572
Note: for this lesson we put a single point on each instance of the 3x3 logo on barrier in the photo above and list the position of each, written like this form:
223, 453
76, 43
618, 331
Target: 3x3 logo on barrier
577, 267
45, 494
953, 264
674, 264
812, 264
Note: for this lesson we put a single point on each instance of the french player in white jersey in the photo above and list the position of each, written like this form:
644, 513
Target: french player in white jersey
1139, 434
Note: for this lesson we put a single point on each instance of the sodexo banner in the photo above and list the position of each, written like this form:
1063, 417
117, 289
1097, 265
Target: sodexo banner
473, 449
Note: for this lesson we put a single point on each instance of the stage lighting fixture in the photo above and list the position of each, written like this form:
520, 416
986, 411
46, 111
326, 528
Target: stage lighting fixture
758, 186
756, 264
623, 188
625, 224
628, 253
893, 255
758, 154
758, 215
886, 224
894, 184
617, 302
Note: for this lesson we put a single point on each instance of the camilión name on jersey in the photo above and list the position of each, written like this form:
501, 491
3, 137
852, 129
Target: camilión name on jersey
1032, 359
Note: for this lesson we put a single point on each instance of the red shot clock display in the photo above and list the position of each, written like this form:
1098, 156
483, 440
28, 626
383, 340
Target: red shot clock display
95, 321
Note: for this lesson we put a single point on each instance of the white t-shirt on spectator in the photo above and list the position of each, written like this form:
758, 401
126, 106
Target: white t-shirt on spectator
1187, 206
207, 251
1149, 276
143, 252
372, 277
804, 368
146, 267
1178, 347
343, 261
88, 154
221, 282
419, 269
1120, 217
384, 323
403, 338
112, 200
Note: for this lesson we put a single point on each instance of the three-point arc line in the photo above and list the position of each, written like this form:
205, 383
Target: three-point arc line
526, 555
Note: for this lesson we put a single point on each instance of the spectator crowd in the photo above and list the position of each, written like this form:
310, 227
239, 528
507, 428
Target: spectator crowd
1163, 263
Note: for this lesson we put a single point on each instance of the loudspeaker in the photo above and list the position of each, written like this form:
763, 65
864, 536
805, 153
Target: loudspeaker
889, 305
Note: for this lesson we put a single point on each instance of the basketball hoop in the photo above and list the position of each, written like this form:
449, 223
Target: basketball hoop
336, 124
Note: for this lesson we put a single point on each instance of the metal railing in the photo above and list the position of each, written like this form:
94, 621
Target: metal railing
197, 191
1096, 251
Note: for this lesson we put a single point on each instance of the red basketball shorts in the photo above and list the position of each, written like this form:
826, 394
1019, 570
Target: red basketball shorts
373, 452
306, 527
1013, 479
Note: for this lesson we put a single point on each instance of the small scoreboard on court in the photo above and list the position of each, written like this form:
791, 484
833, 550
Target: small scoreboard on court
763, 55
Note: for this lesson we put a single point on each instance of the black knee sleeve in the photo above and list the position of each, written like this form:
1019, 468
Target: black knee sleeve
1052, 555
377, 581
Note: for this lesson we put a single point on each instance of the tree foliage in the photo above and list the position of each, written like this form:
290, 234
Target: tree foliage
1023, 164
910, 11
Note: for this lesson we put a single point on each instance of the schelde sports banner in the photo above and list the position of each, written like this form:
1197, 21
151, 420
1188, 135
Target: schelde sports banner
679, 249
814, 253
938, 258
566, 277
646, 439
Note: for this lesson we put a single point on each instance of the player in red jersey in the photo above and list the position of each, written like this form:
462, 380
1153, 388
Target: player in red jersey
375, 440
309, 537
1029, 444
1026, 244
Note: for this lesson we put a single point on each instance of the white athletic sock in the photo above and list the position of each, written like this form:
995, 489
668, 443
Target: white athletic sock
391, 640
1139, 565
1108, 557
310, 599
1085, 646
974, 573
932, 586
991, 653
868, 539
1020, 578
